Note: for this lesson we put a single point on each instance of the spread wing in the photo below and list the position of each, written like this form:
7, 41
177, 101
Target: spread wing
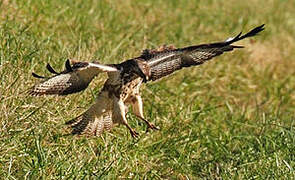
74, 78
168, 60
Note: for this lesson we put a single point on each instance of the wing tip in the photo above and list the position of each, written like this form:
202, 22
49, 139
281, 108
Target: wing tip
37, 76
50, 69
68, 66
251, 33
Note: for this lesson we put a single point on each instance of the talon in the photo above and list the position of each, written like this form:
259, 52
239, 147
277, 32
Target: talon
151, 126
154, 127
134, 134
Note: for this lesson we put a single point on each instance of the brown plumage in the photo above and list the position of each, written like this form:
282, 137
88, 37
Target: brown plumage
124, 80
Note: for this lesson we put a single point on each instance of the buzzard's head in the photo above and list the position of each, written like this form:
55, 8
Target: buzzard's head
136, 67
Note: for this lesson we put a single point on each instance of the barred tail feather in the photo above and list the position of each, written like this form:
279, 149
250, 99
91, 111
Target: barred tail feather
91, 125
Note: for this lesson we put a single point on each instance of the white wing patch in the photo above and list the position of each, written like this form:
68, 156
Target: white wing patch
229, 39
103, 68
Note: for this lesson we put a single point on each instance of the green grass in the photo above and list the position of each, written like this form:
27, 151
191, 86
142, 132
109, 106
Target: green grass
231, 118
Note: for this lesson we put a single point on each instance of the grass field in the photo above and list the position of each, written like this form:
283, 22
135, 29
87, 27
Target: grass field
232, 117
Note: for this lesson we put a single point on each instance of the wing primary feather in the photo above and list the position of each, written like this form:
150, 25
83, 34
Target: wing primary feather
37, 76
251, 33
68, 66
50, 69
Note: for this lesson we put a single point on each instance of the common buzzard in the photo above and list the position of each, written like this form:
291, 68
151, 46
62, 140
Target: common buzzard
121, 89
